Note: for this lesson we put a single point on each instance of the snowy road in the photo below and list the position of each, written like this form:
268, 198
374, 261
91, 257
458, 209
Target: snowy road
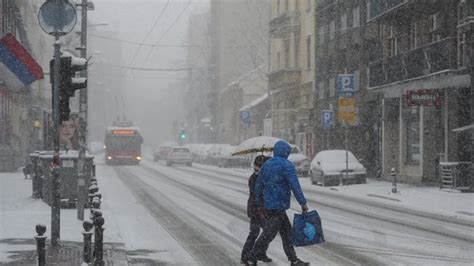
200, 215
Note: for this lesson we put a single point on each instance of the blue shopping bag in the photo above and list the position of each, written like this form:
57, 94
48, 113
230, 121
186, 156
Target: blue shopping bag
307, 229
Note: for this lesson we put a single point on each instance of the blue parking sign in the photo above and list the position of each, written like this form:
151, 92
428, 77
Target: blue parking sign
327, 119
245, 117
346, 85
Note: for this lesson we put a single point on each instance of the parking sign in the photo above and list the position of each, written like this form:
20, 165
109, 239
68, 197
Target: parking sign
327, 118
346, 85
245, 117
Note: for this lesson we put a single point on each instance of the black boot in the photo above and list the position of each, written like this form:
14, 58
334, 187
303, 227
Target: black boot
299, 262
264, 258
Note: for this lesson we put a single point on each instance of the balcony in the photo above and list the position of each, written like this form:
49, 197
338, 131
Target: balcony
284, 24
429, 59
284, 79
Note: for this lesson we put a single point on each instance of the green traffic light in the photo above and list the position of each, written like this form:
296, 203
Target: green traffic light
183, 136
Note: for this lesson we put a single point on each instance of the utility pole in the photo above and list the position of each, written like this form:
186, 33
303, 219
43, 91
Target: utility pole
55, 196
82, 118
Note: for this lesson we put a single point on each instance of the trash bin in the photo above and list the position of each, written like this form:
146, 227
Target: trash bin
68, 176
36, 183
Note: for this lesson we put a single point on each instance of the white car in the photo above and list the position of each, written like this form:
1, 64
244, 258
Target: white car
300, 161
180, 155
328, 167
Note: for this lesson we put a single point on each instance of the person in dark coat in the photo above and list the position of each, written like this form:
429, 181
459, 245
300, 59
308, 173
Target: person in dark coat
255, 213
276, 181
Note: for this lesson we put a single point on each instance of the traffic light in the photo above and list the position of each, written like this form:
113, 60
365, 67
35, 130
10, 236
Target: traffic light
182, 134
68, 82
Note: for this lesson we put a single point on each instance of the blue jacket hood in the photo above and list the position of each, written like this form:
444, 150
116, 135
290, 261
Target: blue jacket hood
282, 149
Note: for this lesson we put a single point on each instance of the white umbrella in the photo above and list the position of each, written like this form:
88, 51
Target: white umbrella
257, 144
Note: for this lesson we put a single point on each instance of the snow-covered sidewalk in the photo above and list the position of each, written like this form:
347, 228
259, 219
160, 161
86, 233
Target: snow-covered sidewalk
447, 203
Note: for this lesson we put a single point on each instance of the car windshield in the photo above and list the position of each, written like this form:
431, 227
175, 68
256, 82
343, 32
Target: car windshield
181, 150
335, 157
149, 118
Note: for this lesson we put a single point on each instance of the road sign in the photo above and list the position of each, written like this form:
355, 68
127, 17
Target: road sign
346, 111
346, 85
245, 117
327, 119
57, 17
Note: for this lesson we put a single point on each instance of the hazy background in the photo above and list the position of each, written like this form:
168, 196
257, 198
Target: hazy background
151, 99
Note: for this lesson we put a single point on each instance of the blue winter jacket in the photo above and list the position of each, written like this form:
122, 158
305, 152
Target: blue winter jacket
277, 179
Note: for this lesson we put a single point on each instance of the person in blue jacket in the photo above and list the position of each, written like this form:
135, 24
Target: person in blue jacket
274, 186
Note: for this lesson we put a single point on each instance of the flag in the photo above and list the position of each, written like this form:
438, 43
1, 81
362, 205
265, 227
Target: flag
17, 67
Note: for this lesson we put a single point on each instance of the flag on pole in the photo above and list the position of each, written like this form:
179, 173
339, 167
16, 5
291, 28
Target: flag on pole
17, 67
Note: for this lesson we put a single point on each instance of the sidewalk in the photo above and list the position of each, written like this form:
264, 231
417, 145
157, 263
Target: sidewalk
19, 213
69, 253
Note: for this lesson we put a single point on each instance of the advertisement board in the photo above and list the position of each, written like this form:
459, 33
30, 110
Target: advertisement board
68, 133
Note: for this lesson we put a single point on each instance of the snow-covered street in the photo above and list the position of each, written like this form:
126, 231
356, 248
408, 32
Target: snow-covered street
197, 216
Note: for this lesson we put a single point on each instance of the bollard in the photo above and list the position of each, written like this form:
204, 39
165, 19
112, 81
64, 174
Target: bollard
41, 244
99, 240
96, 203
87, 253
393, 173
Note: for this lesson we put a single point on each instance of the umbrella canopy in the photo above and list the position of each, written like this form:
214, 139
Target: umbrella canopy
257, 144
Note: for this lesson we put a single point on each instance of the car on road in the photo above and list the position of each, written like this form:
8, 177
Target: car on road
179, 155
161, 153
300, 161
329, 168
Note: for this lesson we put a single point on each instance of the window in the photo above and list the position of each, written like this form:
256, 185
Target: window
462, 50
332, 87
308, 51
321, 90
278, 60
356, 80
413, 136
278, 7
462, 11
356, 17
435, 22
343, 21
287, 5
392, 42
321, 34
287, 53
332, 29
413, 35
308, 5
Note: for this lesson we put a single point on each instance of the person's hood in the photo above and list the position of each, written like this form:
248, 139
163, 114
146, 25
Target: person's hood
282, 149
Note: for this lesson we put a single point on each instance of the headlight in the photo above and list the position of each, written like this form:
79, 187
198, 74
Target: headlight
139, 158
109, 157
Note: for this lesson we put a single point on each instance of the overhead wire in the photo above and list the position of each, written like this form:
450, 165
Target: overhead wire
137, 51
166, 32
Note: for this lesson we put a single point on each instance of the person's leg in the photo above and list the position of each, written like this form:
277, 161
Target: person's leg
270, 230
255, 225
285, 233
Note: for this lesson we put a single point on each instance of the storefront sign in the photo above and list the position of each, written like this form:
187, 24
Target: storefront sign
423, 97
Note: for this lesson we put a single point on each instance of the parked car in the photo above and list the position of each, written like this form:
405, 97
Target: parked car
161, 153
329, 166
300, 161
180, 155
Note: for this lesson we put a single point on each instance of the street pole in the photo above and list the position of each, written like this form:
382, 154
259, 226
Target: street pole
56, 201
82, 119
347, 152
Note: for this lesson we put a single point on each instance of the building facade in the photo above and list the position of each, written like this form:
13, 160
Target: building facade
292, 34
21, 109
340, 49
238, 45
411, 63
